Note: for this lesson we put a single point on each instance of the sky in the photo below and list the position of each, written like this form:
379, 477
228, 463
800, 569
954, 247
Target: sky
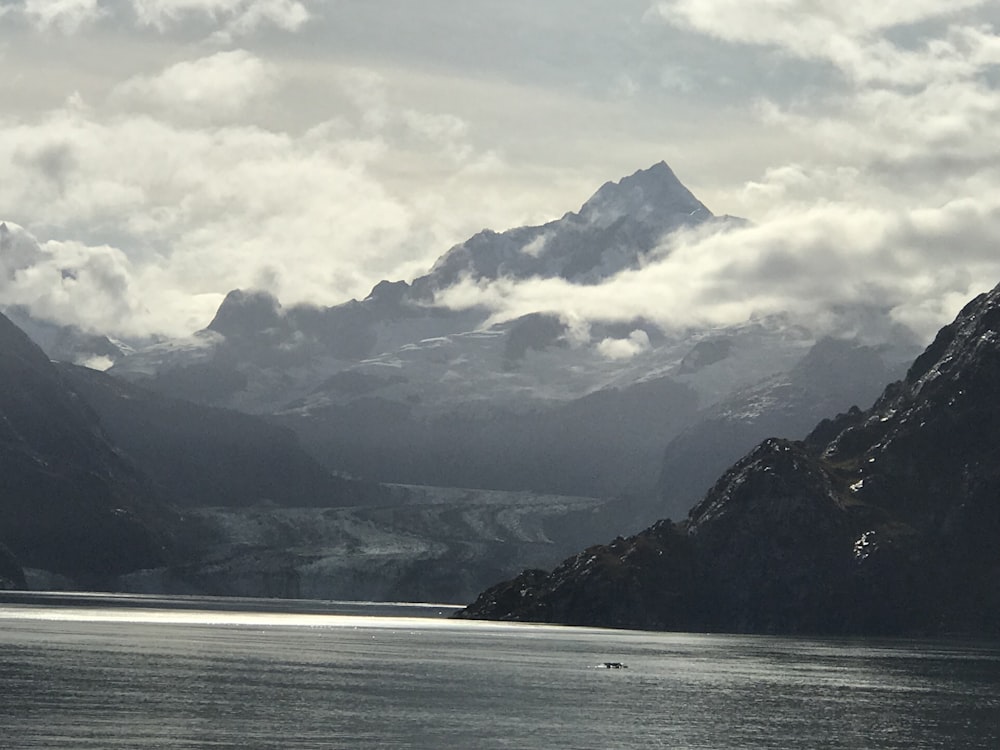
159, 153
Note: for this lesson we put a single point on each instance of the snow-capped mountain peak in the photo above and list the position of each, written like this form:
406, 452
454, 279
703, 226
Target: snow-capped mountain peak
614, 230
655, 191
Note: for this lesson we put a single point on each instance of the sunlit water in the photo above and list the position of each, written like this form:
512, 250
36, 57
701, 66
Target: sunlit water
88, 676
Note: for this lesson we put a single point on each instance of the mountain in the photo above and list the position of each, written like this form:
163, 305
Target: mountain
422, 544
200, 456
880, 521
612, 231
556, 424
393, 388
259, 356
107, 485
70, 503
833, 376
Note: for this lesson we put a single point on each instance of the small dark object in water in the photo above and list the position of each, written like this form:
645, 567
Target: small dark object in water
615, 665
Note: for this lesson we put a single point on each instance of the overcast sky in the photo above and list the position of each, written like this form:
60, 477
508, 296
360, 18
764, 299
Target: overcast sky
164, 152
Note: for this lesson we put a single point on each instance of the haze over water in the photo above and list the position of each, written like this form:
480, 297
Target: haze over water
123, 677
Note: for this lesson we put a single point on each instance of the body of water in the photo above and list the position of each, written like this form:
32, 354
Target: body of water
98, 673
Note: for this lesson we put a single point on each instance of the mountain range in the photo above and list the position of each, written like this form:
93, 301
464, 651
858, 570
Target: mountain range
373, 448
72, 503
882, 520
397, 388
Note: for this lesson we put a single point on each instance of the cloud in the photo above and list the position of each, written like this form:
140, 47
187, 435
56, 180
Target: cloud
230, 19
196, 199
220, 85
636, 343
863, 142
68, 281
826, 266
235, 18
893, 204
67, 16
849, 36
216, 204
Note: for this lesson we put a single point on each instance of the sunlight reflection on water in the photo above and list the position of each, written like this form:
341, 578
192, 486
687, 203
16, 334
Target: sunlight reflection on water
111, 677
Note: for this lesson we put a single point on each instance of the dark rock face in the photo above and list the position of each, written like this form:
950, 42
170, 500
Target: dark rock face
705, 353
246, 313
69, 502
881, 521
621, 585
833, 376
11, 574
536, 332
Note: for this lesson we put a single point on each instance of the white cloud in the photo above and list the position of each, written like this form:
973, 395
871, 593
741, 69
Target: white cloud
849, 35
833, 256
67, 16
234, 17
221, 84
228, 19
861, 140
68, 281
201, 205
636, 343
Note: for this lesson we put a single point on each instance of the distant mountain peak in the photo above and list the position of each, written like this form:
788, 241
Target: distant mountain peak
641, 194
245, 312
614, 230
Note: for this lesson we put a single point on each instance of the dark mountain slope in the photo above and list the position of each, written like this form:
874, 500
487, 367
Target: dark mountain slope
69, 503
882, 521
202, 456
832, 377
604, 443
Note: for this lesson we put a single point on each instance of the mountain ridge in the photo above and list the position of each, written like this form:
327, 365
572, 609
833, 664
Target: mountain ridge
70, 502
880, 521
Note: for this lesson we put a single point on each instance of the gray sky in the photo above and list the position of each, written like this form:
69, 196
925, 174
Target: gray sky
164, 152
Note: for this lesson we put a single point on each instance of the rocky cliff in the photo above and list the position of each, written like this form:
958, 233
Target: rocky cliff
880, 521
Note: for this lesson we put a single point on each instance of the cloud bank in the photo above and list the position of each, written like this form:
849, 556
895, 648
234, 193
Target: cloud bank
264, 143
897, 207
199, 199
230, 18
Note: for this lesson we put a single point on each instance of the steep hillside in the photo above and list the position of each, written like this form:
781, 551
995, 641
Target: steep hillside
203, 456
69, 502
881, 521
833, 376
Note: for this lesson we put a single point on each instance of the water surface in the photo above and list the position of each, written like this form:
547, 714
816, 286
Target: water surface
94, 675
